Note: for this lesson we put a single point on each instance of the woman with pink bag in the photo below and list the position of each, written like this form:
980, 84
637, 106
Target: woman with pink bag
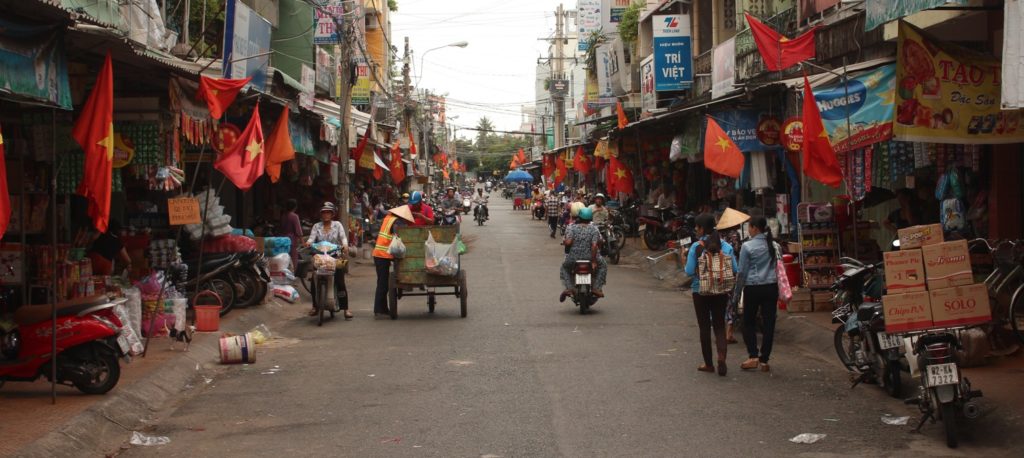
757, 272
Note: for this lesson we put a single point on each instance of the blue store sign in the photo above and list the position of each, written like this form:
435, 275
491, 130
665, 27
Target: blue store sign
673, 53
246, 35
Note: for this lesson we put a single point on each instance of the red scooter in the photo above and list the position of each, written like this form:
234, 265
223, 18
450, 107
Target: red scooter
87, 345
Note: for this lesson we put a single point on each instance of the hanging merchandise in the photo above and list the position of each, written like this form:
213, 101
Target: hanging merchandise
952, 216
193, 119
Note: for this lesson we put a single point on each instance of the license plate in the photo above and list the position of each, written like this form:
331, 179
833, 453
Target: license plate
643, 227
582, 279
885, 341
943, 374
684, 242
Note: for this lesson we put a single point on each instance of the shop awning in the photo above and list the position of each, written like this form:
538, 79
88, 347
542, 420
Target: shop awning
685, 110
826, 77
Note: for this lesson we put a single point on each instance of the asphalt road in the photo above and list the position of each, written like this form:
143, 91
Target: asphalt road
524, 375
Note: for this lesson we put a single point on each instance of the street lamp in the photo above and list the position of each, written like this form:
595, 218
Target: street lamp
457, 44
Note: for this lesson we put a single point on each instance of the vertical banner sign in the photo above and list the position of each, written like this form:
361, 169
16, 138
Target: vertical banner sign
723, 68
361, 90
1013, 55
604, 71
246, 35
673, 54
867, 100
948, 94
324, 71
588, 20
308, 87
325, 30
648, 98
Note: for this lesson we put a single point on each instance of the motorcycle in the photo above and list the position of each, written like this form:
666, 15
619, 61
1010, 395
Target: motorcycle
506, 192
448, 217
582, 292
945, 393
87, 345
627, 217
326, 258
538, 210
251, 278
467, 204
216, 276
611, 237
480, 214
861, 342
656, 232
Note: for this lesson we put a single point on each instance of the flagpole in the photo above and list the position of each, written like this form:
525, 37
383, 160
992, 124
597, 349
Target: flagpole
53, 276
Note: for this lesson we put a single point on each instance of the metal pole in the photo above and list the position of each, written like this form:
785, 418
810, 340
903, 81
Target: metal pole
849, 132
53, 277
343, 57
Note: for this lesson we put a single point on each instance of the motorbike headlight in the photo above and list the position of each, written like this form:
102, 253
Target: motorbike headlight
10, 344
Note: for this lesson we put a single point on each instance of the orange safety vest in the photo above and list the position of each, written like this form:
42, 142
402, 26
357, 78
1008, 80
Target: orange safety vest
380, 249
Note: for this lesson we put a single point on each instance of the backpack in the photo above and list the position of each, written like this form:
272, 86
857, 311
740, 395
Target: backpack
714, 273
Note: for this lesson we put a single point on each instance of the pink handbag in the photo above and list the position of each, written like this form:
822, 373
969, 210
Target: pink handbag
785, 291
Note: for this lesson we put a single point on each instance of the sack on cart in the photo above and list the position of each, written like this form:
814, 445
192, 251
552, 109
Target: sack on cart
441, 258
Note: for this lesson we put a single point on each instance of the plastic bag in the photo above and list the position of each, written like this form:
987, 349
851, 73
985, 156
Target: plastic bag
286, 292
397, 248
440, 258
280, 263
675, 152
283, 277
807, 438
952, 215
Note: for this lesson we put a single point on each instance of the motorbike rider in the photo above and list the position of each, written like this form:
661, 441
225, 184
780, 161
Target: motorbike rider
481, 204
329, 230
449, 201
601, 214
421, 212
583, 240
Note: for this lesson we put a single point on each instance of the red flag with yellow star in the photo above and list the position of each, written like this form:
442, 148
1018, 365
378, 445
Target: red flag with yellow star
5, 199
580, 162
620, 178
561, 171
94, 131
623, 121
721, 155
820, 160
243, 163
397, 166
219, 93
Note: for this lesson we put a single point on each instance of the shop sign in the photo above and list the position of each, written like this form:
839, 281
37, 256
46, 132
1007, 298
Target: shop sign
588, 21
867, 101
742, 128
559, 88
227, 134
33, 63
605, 69
648, 98
361, 90
723, 72
611, 14
183, 210
324, 70
325, 30
1013, 55
769, 131
246, 36
948, 94
673, 54
793, 134
878, 12
308, 81
124, 151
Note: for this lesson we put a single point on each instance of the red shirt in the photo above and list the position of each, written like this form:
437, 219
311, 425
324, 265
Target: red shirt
427, 212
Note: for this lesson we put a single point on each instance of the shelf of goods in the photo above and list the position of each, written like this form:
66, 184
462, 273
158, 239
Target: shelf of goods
819, 249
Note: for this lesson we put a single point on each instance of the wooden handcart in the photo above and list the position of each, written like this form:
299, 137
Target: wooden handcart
409, 276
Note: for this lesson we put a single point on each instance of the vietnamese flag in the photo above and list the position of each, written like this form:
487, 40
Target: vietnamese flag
819, 158
279, 147
561, 171
244, 162
548, 165
378, 171
397, 167
455, 165
620, 178
720, 153
219, 93
94, 131
581, 163
520, 157
623, 120
5, 198
779, 52
412, 145
599, 163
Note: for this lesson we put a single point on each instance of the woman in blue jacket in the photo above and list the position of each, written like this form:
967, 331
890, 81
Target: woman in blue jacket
760, 292
710, 308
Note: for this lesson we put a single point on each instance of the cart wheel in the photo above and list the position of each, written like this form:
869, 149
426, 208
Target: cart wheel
393, 295
462, 293
431, 302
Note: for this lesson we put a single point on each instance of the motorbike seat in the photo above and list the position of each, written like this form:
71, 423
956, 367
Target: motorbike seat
211, 261
37, 313
868, 309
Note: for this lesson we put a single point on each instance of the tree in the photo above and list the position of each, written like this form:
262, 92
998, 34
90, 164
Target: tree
484, 131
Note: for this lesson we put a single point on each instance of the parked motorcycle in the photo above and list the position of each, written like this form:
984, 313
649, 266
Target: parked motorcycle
861, 342
611, 237
583, 293
251, 278
945, 394
87, 346
506, 192
325, 259
656, 232
214, 276
628, 216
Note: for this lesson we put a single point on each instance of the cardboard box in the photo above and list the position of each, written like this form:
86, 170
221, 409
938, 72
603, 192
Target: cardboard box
904, 271
907, 312
919, 236
961, 305
947, 264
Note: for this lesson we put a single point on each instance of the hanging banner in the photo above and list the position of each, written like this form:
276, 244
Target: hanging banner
879, 12
723, 70
246, 44
308, 87
948, 94
324, 71
588, 21
33, 63
361, 90
868, 100
325, 19
673, 54
1013, 55
750, 130
648, 98
605, 67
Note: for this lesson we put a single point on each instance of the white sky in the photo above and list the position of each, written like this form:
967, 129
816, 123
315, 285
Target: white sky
493, 76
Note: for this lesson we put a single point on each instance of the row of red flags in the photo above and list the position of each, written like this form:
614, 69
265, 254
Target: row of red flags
618, 177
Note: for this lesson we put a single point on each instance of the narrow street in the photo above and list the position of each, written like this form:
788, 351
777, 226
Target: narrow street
526, 376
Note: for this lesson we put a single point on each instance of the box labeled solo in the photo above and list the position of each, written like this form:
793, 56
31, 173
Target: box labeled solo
947, 264
907, 312
904, 271
919, 236
961, 305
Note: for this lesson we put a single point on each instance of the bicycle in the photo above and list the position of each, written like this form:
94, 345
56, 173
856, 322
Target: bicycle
1005, 285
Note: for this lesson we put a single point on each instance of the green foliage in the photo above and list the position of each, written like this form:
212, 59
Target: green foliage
490, 151
393, 5
629, 26
593, 41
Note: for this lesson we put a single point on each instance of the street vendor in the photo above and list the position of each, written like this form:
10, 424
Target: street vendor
107, 248
382, 258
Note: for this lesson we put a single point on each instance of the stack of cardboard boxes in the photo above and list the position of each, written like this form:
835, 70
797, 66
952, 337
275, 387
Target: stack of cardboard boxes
930, 284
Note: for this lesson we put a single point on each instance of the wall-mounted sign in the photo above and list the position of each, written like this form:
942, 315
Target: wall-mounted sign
648, 98
793, 134
124, 151
325, 31
673, 52
769, 130
183, 210
559, 88
246, 44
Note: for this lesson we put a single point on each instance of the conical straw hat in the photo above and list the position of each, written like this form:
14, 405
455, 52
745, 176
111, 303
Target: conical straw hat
403, 212
731, 218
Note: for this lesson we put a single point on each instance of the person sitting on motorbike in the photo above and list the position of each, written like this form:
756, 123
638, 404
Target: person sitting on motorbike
329, 230
601, 214
583, 240
481, 204
421, 212
449, 201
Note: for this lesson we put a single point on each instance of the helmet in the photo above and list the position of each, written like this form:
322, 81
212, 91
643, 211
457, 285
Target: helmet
585, 214
575, 208
328, 207
415, 198
405, 195
601, 195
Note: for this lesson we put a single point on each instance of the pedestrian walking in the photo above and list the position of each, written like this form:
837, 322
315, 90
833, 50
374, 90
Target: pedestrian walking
553, 210
291, 227
758, 258
712, 266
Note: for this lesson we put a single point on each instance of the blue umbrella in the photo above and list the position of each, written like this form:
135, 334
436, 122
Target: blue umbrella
519, 175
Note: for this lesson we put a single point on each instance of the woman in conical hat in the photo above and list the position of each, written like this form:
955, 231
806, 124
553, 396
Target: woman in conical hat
729, 228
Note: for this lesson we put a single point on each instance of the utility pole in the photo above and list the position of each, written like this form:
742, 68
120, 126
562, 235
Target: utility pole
406, 109
559, 74
343, 85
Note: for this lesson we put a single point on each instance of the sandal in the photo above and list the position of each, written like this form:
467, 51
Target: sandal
705, 368
348, 315
750, 363
598, 293
765, 367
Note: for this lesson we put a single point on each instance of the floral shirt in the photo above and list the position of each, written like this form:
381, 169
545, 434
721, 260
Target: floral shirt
583, 237
335, 234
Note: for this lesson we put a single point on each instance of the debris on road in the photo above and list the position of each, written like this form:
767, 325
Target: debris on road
807, 438
144, 440
895, 421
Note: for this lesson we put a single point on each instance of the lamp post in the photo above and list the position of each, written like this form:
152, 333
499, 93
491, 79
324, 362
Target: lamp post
457, 44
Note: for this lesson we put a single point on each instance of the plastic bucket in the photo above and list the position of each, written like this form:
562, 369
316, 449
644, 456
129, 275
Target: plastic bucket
207, 318
237, 349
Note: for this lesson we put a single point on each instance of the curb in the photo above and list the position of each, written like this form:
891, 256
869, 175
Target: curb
108, 424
